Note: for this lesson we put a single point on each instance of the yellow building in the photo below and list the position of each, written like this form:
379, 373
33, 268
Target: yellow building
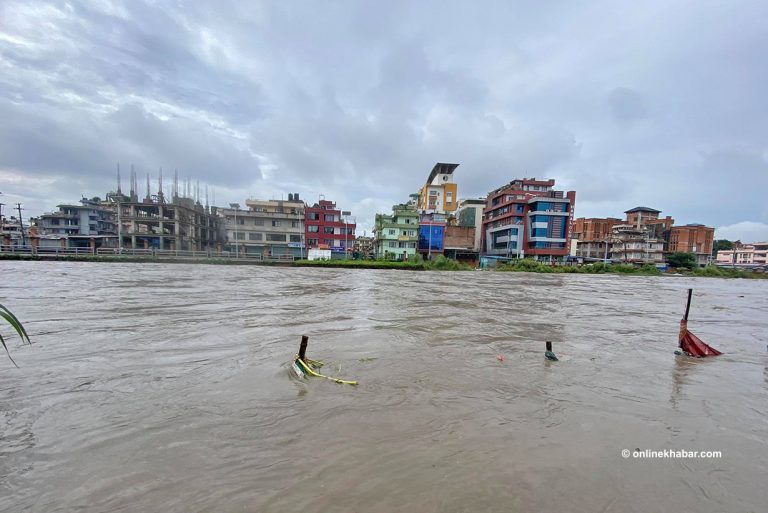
439, 194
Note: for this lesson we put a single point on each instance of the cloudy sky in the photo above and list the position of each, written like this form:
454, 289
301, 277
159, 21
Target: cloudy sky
657, 103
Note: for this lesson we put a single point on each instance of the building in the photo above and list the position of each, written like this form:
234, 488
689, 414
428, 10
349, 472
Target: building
643, 237
364, 247
460, 243
693, 238
527, 217
327, 227
88, 225
470, 214
396, 236
431, 234
747, 254
439, 193
267, 228
13, 232
630, 244
181, 224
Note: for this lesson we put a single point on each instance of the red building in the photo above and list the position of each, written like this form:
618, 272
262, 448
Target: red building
528, 218
326, 227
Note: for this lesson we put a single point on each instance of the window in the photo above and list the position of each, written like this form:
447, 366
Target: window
258, 222
275, 222
392, 232
254, 236
239, 236
449, 197
295, 238
240, 221
313, 216
328, 229
313, 228
330, 217
295, 224
312, 242
276, 237
328, 242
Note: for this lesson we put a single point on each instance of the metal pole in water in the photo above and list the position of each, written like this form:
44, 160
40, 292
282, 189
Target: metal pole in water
303, 347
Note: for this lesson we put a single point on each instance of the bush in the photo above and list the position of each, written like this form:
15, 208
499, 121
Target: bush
678, 260
442, 263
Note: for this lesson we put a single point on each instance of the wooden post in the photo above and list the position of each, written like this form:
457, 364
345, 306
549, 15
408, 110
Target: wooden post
303, 347
688, 305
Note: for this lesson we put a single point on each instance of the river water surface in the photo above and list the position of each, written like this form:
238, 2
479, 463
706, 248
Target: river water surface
166, 387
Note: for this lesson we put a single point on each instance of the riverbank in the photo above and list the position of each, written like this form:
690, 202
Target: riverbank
440, 264
532, 266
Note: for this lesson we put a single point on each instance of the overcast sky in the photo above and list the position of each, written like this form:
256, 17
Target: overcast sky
655, 103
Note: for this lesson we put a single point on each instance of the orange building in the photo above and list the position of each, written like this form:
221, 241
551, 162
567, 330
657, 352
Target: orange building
439, 194
594, 228
692, 238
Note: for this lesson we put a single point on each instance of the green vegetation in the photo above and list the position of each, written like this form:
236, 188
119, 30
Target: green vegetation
363, 264
713, 271
721, 244
16, 325
442, 263
679, 260
412, 264
532, 266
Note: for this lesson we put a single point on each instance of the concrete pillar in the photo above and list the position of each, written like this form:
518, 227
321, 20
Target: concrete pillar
93, 246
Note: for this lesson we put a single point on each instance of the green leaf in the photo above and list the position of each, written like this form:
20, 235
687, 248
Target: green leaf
15, 324
6, 350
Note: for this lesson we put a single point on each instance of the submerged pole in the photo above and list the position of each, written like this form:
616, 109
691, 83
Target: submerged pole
549, 354
303, 347
688, 305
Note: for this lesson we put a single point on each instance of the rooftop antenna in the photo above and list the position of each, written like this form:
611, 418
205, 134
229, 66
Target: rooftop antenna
148, 194
206, 196
119, 192
132, 189
175, 183
160, 181
197, 192
213, 199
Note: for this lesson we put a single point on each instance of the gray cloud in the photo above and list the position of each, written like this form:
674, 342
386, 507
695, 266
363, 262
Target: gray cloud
357, 100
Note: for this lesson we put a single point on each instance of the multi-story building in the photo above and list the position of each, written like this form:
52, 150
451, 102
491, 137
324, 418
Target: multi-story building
267, 228
364, 247
327, 227
431, 234
182, 223
527, 217
397, 235
90, 224
439, 193
470, 214
746, 254
460, 243
693, 238
630, 244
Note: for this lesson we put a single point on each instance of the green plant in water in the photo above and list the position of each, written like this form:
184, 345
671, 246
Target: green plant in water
16, 325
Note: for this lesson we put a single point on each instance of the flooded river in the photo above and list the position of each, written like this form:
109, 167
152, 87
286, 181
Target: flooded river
164, 387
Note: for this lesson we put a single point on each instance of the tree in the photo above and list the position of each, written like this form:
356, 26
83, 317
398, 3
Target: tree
682, 260
721, 244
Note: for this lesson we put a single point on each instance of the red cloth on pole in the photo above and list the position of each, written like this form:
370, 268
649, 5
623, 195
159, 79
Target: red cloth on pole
693, 345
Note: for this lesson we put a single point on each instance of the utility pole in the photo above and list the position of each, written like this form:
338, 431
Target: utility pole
21, 223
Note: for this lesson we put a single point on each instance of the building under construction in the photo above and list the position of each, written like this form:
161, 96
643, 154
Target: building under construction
180, 222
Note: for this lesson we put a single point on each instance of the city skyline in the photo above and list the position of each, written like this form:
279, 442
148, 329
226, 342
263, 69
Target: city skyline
625, 104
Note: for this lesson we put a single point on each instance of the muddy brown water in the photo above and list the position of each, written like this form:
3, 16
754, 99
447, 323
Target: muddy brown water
164, 387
